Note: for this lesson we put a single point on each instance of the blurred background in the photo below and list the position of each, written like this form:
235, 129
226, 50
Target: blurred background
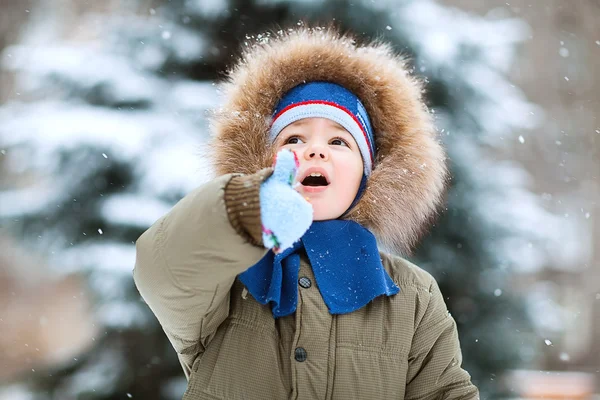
103, 110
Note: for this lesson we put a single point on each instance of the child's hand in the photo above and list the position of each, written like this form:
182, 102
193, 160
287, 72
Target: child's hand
285, 214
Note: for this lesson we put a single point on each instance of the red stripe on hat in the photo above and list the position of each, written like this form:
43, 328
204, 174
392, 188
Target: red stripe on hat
328, 103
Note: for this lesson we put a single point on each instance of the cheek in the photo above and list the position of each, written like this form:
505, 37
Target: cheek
351, 172
357, 171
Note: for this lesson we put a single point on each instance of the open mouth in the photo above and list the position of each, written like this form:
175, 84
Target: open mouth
315, 179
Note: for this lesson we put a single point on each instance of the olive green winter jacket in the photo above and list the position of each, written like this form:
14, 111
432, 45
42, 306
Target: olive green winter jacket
399, 347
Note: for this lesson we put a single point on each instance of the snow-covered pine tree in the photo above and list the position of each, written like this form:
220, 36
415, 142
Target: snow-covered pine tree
107, 130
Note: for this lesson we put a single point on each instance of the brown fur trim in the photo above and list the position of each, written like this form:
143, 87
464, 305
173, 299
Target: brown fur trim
409, 175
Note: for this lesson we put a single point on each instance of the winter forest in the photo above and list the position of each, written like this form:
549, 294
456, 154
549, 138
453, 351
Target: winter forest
103, 122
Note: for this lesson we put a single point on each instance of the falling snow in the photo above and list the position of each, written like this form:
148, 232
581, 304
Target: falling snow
564, 52
168, 166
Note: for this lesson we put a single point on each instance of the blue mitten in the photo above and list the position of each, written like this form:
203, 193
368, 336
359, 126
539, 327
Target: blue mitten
285, 214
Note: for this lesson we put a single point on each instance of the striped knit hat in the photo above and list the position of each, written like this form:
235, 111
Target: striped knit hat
331, 101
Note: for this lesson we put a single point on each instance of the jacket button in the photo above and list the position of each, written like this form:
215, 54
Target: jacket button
300, 354
304, 282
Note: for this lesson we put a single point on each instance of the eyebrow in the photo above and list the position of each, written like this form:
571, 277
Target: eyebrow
340, 128
300, 122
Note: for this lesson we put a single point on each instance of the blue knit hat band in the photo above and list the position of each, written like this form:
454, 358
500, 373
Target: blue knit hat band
331, 101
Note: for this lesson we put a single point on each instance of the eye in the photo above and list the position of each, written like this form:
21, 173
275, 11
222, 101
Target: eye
293, 140
339, 142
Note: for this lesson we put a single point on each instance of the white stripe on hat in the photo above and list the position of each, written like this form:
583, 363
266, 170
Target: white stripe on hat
330, 112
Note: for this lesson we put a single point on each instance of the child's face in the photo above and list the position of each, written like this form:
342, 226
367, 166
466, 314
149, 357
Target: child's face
324, 147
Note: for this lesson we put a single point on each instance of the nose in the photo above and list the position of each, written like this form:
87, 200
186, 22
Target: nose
316, 151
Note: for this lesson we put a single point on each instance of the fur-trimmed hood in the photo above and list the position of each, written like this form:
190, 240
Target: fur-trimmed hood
409, 175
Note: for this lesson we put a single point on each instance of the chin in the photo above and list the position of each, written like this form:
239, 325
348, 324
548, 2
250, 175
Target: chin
325, 215
320, 216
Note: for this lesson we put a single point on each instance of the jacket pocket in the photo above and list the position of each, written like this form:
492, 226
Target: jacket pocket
245, 365
368, 373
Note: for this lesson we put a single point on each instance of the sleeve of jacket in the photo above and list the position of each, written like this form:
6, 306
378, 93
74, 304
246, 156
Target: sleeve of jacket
434, 361
187, 261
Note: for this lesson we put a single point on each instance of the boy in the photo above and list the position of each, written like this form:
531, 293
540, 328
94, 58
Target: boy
269, 282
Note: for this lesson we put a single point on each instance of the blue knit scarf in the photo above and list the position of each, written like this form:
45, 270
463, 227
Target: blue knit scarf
345, 262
